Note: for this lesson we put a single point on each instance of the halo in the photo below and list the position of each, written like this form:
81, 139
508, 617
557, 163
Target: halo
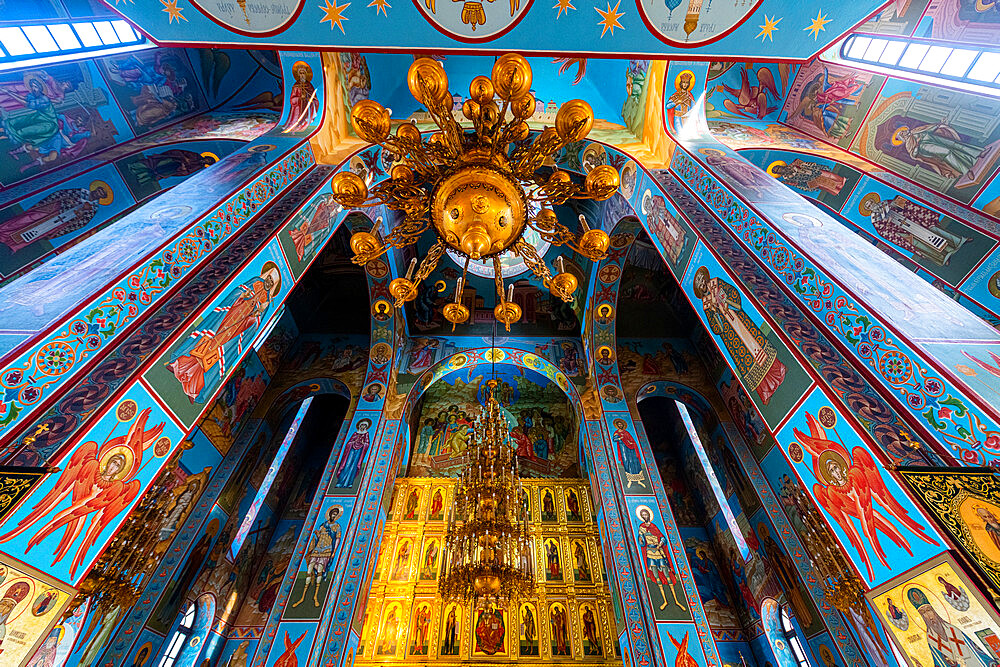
299, 64
647, 197
268, 267
776, 163
619, 423
867, 203
126, 452
677, 79
215, 158
261, 148
106, 199
896, 141
440, 286
357, 165
711, 151
826, 457
640, 508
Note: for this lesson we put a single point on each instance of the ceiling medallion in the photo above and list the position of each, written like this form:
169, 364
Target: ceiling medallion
480, 186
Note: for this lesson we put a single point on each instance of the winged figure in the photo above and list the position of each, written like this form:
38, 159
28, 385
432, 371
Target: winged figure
849, 486
753, 101
100, 483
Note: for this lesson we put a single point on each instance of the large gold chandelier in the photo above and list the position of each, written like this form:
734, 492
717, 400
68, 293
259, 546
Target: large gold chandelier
487, 553
473, 185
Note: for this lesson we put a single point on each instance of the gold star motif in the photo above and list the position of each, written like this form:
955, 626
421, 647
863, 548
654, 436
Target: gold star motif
380, 6
333, 13
609, 19
172, 10
817, 24
563, 6
770, 25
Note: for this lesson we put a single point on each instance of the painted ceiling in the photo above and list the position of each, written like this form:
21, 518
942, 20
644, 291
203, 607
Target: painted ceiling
772, 29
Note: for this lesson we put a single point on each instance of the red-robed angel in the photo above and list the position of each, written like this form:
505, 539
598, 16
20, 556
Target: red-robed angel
849, 485
99, 479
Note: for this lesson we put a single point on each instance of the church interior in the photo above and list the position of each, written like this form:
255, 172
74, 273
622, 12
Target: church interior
342, 333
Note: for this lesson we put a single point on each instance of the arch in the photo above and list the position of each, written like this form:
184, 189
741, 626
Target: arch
487, 355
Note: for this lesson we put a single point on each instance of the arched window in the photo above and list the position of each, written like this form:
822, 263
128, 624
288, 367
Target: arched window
793, 638
179, 638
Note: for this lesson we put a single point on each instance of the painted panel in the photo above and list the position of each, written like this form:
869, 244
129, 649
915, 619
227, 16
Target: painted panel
100, 480
204, 354
773, 377
882, 535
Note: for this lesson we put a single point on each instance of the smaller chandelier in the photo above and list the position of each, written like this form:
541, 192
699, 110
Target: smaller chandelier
487, 547
474, 185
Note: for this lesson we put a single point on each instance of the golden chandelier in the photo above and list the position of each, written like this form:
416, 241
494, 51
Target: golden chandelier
473, 185
487, 553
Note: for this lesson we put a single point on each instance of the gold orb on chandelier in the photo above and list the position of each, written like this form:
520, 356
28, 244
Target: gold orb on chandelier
480, 185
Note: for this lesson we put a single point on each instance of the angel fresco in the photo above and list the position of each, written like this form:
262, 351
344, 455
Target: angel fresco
849, 487
100, 482
200, 363
824, 99
39, 130
752, 101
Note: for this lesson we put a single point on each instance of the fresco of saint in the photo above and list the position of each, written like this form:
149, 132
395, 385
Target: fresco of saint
352, 458
303, 105
754, 356
808, 176
654, 548
56, 214
200, 364
911, 226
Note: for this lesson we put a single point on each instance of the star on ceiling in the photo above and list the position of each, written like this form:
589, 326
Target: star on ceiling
380, 6
172, 10
564, 6
767, 30
609, 19
333, 13
817, 24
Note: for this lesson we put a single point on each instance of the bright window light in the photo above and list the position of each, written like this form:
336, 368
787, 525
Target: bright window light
932, 62
858, 46
875, 49
914, 54
892, 52
15, 42
107, 32
38, 44
88, 35
64, 36
124, 31
272, 472
40, 38
958, 62
713, 481
987, 67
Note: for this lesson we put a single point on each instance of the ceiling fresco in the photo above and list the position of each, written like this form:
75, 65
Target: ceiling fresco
544, 428
773, 29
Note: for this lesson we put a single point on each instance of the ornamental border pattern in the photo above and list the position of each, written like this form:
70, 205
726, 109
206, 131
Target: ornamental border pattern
58, 356
901, 370
58, 423
858, 396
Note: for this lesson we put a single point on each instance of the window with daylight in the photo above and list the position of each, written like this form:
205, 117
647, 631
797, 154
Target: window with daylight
925, 58
63, 41
179, 638
713, 481
793, 638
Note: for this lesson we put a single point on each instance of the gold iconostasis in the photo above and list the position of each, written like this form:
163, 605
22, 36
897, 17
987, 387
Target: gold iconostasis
569, 618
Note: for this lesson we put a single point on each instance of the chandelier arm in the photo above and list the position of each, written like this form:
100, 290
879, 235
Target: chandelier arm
405, 234
555, 233
534, 262
498, 278
594, 257
429, 262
